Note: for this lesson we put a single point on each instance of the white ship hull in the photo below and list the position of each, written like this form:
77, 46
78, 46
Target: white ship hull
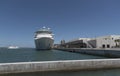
44, 43
13, 47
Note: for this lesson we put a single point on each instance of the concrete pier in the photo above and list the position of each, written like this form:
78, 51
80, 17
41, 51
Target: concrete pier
107, 52
59, 65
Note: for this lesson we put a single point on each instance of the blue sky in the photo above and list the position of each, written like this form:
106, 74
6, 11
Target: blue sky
68, 19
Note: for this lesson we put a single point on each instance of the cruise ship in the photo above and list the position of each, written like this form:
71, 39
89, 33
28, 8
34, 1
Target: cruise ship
44, 39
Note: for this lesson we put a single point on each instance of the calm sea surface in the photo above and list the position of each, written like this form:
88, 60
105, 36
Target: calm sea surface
30, 54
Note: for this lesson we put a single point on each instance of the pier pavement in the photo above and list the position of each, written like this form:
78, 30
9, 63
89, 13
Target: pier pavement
107, 52
64, 65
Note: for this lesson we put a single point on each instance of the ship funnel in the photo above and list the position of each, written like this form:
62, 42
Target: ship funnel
44, 27
48, 28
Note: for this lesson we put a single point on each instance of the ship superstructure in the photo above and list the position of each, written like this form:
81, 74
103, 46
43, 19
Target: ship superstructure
44, 39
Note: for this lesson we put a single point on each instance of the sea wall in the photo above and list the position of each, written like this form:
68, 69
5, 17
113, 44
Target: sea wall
59, 65
112, 52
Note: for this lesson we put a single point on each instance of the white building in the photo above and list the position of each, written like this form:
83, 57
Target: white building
110, 41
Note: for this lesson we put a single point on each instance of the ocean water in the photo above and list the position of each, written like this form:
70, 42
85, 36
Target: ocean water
30, 54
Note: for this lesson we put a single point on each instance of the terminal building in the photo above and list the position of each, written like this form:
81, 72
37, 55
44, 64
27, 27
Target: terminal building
111, 41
